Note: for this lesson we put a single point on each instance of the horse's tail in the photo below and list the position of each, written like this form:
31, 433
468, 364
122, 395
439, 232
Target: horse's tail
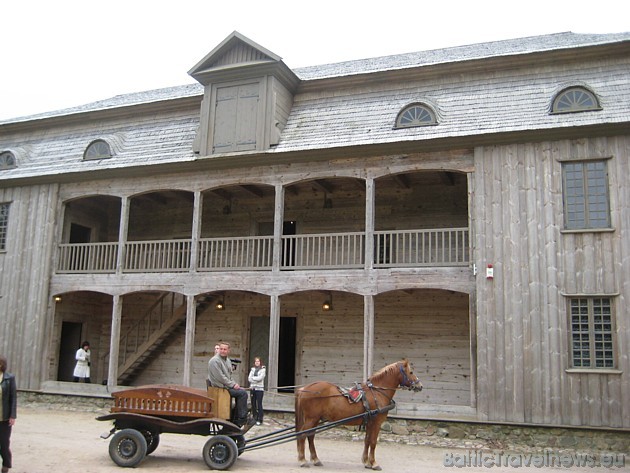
299, 415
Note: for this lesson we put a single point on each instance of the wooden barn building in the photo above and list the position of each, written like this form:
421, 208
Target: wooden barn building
466, 208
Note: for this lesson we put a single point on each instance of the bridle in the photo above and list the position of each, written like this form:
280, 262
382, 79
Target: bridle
406, 381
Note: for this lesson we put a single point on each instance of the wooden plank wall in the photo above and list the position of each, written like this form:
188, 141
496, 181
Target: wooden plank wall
24, 270
523, 345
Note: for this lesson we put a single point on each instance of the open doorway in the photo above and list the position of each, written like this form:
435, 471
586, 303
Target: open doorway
80, 234
70, 342
259, 346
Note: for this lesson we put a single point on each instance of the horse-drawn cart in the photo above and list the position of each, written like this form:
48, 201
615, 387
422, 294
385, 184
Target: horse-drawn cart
142, 414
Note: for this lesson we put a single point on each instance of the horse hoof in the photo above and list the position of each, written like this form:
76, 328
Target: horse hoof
318, 463
304, 465
376, 468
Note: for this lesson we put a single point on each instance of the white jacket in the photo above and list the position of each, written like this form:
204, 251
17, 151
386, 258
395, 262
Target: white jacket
257, 381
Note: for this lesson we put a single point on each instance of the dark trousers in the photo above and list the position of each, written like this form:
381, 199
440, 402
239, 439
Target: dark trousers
240, 396
85, 380
5, 443
257, 408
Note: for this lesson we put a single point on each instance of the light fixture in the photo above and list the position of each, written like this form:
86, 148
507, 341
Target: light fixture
57, 298
220, 305
328, 203
327, 305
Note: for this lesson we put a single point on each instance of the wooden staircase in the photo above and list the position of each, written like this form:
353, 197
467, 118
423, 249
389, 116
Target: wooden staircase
142, 343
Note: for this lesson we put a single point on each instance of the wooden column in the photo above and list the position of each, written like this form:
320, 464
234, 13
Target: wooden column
368, 335
189, 342
114, 342
274, 344
122, 234
369, 223
278, 222
196, 232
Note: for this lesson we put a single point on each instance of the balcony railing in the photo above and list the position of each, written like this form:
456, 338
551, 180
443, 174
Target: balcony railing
406, 248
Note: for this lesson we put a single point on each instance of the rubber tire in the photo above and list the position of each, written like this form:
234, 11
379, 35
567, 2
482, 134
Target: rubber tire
127, 448
153, 439
220, 452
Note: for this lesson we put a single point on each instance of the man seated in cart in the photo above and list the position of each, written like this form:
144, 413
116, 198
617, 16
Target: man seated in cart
220, 375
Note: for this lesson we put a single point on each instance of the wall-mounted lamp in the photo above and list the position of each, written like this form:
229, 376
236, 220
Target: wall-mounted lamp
220, 305
328, 204
328, 305
57, 298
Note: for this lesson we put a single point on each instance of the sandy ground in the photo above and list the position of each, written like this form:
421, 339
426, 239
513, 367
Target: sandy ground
47, 440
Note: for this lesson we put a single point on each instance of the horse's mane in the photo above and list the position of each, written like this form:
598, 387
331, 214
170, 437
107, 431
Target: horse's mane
385, 371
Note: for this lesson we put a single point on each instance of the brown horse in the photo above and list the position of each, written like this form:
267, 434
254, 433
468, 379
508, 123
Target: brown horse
322, 401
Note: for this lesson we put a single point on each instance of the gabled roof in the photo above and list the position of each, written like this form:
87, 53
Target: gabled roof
238, 57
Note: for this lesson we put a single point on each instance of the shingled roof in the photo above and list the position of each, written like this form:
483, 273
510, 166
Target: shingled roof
517, 46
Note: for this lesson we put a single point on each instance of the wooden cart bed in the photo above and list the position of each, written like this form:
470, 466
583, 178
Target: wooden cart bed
173, 401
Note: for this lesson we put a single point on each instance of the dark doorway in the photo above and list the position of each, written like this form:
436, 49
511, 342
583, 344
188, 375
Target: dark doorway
288, 246
259, 346
70, 342
80, 234
286, 356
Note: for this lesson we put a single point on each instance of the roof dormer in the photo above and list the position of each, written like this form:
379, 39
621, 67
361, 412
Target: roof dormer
248, 94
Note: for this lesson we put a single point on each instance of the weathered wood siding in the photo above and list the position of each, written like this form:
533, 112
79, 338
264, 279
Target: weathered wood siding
522, 333
24, 275
431, 328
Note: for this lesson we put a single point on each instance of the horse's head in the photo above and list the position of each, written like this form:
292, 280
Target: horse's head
407, 378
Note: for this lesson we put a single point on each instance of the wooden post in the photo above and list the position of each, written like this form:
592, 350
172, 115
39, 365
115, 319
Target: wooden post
114, 343
196, 232
369, 223
278, 222
122, 236
368, 335
189, 342
274, 344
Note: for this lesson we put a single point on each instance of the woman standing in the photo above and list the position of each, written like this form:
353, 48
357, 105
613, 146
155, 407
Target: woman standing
8, 409
82, 369
257, 384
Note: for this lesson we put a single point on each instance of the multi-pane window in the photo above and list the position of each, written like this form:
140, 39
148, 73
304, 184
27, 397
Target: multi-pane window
585, 195
415, 115
98, 149
4, 224
592, 331
7, 160
575, 99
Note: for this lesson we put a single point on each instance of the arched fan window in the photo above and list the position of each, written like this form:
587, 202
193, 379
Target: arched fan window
415, 115
575, 99
97, 149
7, 160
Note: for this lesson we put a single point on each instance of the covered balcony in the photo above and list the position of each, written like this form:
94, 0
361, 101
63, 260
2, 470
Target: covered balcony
412, 220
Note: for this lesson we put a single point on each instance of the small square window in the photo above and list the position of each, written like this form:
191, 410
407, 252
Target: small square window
591, 324
585, 194
4, 225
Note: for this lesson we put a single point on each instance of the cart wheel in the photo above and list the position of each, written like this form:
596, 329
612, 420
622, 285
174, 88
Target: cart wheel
220, 452
153, 439
127, 448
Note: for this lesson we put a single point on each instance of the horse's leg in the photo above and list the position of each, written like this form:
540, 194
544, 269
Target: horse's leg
300, 448
311, 446
369, 447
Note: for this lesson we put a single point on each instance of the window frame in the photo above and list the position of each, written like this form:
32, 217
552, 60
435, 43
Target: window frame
574, 108
588, 340
589, 200
427, 109
4, 225
7, 160
93, 145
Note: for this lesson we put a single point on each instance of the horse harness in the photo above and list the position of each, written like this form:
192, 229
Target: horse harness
358, 394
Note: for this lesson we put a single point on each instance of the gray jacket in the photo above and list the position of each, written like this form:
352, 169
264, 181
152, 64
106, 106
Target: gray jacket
220, 372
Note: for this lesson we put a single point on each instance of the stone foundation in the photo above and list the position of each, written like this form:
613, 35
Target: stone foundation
451, 435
